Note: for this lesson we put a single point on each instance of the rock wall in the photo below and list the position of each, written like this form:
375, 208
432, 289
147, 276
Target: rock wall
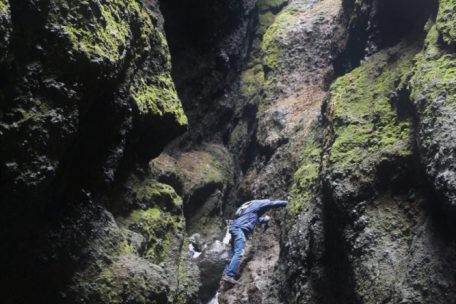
345, 107
376, 224
87, 99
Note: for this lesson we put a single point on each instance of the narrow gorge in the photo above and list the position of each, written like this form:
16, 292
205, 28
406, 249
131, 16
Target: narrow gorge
131, 131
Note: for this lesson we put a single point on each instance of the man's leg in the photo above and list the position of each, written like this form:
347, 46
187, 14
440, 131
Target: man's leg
239, 245
230, 256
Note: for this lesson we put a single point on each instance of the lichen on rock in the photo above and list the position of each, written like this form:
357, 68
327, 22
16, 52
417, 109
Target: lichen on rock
202, 176
157, 227
157, 98
119, 34
86, 96
446, 21
364, 118
305, 181
140, 254
102, 31
434, 95
270, 44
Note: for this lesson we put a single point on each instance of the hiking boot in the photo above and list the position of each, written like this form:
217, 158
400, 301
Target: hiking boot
230, 280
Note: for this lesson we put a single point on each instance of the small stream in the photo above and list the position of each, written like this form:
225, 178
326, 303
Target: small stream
214, 300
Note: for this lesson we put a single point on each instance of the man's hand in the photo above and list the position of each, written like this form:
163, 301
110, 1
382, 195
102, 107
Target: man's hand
264, 219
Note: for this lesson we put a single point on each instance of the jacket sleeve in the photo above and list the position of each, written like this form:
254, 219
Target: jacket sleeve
263, 205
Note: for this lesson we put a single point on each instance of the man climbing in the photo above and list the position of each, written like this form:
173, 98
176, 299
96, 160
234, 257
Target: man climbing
246, 218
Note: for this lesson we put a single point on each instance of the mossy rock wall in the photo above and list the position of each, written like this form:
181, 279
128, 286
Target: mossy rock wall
203, 176
446, 21
434, 95
366, 128
139, 256
89, 61
380, 187
86, 96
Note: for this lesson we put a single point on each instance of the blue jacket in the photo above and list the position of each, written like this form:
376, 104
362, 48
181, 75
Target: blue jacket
250, 216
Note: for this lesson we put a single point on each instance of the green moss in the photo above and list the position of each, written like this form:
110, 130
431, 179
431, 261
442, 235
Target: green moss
5, 31
252, 81
125, 247
157, 96
4, 6
150, 193
239, 134
365, 122
305, 180
268, 9
446, 21
128, 279
106, 32
188, 279
124, 267
270, 44
158, 228
433, 89
435, 75
155, 211
106, 35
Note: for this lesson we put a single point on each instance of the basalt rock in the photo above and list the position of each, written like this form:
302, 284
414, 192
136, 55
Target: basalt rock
203, 177
86, 98
379, 193
346, 107
434, 97
139, 255
285, 82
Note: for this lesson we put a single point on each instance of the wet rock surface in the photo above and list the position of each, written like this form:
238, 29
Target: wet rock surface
355, 239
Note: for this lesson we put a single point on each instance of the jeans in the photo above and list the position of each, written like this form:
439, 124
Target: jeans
237, 252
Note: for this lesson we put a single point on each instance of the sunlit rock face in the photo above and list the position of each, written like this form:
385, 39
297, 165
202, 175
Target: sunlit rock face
376, 224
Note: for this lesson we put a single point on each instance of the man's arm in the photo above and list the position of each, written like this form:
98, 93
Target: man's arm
263, 205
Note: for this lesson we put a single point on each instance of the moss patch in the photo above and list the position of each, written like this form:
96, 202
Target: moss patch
435, 75
4, 6
158, 228
149, 193
446, 21
102, 29
155, 211
157, 96
365, 122
270, 45
305, 180
126, 252
114, 36
433, 91
252, 81
188, 279
129, 279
